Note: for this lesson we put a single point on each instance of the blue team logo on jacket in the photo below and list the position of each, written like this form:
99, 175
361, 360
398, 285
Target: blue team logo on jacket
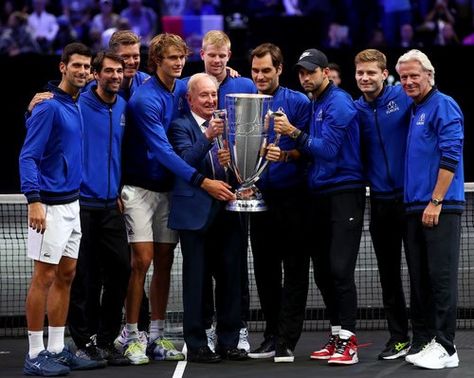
392, 107
421, 120
122, 120
319, 116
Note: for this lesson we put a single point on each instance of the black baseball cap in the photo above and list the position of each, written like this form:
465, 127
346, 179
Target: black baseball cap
311, 59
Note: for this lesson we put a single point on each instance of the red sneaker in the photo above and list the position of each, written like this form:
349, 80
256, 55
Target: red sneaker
345, 353
327, 350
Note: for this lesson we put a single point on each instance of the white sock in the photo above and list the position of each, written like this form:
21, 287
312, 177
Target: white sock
132, 331
157, 329
335, 330
345, 334
36, 343
55, 339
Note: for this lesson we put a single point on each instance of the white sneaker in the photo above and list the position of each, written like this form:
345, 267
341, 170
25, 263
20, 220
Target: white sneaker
437, 358
135, 353
211, 338
244, 340
411, 358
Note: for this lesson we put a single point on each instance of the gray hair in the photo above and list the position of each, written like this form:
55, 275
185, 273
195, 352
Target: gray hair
196, 77
420, 57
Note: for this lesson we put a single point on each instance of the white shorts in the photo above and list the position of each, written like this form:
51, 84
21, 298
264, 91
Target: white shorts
146, 215
61, 237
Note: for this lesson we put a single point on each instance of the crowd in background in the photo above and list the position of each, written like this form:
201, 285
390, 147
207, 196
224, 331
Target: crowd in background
46, 26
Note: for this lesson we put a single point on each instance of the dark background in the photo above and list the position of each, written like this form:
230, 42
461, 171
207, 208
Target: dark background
23, 76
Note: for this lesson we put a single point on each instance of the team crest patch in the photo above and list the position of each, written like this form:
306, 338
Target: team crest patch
392, 107
319, 116
421, 120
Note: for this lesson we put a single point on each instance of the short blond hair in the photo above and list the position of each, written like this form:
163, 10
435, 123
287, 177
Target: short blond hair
372, 56
217, 38
123, 38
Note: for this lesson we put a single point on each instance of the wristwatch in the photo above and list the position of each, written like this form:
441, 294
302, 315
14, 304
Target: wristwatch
295, 133
436, 201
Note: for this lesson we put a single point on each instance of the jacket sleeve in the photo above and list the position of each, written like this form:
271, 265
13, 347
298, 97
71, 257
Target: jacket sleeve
38, 129
340, 113
148, 116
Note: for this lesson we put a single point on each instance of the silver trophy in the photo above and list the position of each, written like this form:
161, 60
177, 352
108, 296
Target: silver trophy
246, 133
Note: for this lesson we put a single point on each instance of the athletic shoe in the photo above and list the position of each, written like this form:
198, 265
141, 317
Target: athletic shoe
394, 350
113, 356
135, 353
44, 365
69, 359
211, 338
345, 352
327, 350
162, 349
120, 342
417, 350
265, 350
92, 353
143, 339
244, 340
436, 357
283, 353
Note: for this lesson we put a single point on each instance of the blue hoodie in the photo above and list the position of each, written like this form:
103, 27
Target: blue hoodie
51, 157
148, 158
282, 175
384, 128
333, 143
104, 126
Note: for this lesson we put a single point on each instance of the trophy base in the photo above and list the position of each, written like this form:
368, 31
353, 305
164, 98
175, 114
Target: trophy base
246, 205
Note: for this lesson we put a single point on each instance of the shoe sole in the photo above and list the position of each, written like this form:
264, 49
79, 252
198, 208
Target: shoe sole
259, 356
340, 362
448, 365
284, 359
402, 353
320, 357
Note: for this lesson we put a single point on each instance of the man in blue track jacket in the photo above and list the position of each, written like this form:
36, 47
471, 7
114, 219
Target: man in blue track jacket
337, 199
283, 185
51, 173
100, 285
434, 200
149, 165
384, 115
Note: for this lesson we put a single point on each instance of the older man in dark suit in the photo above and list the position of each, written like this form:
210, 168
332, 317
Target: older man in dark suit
211, 237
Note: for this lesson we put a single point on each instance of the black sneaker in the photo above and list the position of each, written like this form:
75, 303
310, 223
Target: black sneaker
265, 350
283, 353
114, 357
394, 350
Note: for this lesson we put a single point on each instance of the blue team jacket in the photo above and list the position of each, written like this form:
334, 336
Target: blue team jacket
148, 158
384, 128
104, 126
51, 157
435, 140
333, 143
280, 175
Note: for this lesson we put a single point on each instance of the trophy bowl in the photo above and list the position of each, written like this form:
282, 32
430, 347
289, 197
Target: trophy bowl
246, 134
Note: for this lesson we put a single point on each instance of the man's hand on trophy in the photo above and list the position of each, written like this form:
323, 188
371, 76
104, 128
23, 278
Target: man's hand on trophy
281, 125
215, 128
224, 156
218, 189
273, 153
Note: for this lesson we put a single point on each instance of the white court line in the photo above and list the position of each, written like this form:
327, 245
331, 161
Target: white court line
181, 366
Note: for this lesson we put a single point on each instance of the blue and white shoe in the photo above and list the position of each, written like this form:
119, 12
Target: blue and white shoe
44, 365
69, 359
